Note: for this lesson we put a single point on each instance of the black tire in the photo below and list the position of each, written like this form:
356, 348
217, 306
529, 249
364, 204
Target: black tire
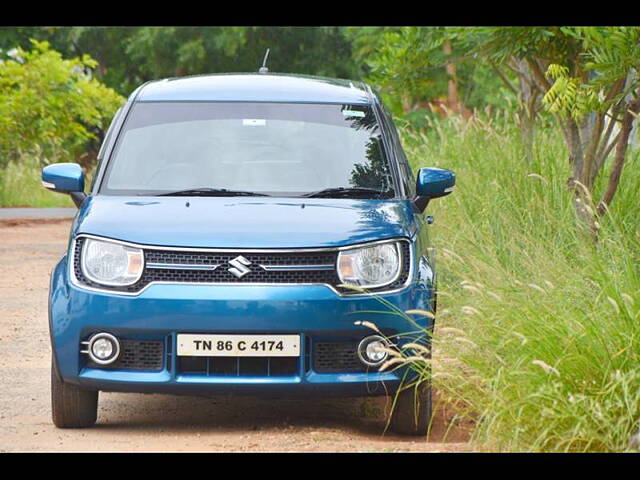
71, 406
411, 414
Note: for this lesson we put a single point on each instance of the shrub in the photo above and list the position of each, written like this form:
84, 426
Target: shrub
50, 105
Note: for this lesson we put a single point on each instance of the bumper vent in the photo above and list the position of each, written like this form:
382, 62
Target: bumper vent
336, 357
240, 366
136, 355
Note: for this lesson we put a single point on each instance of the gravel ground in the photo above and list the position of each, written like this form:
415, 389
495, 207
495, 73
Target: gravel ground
135, 422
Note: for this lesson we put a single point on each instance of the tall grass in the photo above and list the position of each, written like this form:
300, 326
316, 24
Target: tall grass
21, 186
537, 336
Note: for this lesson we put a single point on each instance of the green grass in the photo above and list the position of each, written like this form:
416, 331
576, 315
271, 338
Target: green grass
21, 186
537, 334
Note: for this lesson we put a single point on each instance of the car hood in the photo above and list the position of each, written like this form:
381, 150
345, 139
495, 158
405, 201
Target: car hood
244, 222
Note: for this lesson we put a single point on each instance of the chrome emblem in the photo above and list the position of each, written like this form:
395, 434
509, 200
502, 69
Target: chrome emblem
239, 266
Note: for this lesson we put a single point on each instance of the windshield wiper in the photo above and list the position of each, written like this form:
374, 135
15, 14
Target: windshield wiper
212, 192
356, 192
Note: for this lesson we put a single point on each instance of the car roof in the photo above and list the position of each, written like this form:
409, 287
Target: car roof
270, 87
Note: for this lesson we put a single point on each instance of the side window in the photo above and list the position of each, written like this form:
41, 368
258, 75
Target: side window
407, 174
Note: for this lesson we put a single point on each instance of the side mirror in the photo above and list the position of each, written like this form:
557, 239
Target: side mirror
65, 178
433, 183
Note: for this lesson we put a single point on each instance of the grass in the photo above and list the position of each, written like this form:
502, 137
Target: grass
537, 339
20, 186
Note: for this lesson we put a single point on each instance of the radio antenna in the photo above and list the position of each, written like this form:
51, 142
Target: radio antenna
263, 69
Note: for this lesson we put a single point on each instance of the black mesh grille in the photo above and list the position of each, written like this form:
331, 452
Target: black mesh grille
222, 275
240, 366
136, 355
336, 357
208, 258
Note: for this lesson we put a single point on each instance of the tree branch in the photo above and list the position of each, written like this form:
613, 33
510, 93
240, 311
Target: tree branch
538, 74
504, 78
607, 150
607, 134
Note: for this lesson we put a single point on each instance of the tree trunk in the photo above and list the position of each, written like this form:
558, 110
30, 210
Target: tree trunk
453, 99
621, 149
527, 133
529, 101
582, 201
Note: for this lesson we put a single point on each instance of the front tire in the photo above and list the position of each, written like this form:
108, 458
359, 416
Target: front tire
412, 412
71, 406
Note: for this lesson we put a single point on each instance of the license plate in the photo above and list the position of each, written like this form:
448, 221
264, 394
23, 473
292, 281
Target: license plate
196, 345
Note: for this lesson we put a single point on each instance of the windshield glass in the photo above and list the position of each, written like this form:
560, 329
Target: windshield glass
271, 148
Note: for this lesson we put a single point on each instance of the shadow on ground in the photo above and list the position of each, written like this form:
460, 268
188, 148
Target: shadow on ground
358, 416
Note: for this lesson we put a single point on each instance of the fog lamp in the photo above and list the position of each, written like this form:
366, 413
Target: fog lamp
104, 348
371, 350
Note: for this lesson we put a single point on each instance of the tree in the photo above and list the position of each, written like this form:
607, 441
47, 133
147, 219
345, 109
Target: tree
406, 62
591, 93
587, 77
517, 55
51, 106
129, 56
425, 66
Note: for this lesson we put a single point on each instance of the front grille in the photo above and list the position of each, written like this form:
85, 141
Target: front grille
336, 357
295, 268
136, 355
240, 366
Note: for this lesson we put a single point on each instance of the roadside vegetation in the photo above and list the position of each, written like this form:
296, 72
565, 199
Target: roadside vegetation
20, 186
537, 336
52, 110
537, 339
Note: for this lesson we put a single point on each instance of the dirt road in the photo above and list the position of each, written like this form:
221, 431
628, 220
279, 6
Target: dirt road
129, 422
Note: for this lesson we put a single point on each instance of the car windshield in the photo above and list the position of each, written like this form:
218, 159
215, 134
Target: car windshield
267, 148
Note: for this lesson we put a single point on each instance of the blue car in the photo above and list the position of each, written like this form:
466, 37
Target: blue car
244, 234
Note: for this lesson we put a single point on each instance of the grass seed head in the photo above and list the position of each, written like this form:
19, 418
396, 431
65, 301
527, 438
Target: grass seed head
390, 362
546, 367
469, 310
615, 304
424, 313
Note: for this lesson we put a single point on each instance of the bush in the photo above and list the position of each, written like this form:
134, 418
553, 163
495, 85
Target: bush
51, 106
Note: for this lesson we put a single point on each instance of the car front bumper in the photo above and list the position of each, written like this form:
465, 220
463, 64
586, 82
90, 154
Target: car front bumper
162, 311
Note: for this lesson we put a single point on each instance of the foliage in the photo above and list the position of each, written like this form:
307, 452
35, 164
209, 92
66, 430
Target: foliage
608, 55
50, 105
568, 95
409, 64
536, 337
408, 61
129, 56
500, 44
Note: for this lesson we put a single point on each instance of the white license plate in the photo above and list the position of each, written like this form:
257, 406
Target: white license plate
197, 345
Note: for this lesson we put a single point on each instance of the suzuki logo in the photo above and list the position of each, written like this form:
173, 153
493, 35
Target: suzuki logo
239, 266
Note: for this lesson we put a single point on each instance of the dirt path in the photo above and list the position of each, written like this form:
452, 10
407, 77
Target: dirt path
131, 422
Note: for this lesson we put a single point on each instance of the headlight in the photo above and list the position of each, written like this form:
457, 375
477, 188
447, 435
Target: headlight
110, 263
370, 267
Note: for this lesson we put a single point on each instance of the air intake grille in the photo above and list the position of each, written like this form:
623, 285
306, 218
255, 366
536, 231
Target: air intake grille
136, 355
263, 268
336, 357
240, 366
